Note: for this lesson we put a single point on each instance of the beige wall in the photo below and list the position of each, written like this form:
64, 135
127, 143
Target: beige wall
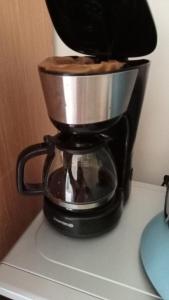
26, 38
151, 159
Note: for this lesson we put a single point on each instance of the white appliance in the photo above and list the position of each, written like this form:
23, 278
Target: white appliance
47, 265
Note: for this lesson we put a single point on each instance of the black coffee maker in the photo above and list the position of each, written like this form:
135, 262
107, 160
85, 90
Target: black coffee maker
88, 168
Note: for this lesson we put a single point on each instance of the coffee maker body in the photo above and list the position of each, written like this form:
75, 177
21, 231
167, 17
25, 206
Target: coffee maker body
88, 170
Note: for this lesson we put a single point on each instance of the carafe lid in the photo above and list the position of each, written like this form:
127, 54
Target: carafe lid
109, 28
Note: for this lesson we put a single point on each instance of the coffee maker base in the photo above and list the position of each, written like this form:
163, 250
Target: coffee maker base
86, 224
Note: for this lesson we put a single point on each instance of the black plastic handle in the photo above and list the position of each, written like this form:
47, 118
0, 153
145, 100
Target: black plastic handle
166, 207
25, 155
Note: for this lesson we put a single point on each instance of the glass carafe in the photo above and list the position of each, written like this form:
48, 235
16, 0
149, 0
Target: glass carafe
79, 174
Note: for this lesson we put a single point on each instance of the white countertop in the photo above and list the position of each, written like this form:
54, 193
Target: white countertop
47, 265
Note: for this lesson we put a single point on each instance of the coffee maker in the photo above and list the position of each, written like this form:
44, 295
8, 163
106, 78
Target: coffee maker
88, 168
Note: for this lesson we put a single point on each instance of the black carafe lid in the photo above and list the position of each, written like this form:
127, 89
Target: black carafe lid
110, 28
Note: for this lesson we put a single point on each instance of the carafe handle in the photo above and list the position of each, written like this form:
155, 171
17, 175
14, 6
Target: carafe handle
25, 155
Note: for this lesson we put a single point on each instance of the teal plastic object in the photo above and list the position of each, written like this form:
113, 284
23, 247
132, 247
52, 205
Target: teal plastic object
154, 250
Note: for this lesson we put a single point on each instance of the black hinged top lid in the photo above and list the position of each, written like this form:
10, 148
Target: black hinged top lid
112, 28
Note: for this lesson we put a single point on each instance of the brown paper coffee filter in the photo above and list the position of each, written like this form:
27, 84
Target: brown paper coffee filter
79, 65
